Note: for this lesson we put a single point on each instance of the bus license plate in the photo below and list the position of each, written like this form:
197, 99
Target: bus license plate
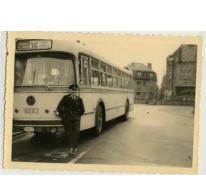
29, 129
31, 110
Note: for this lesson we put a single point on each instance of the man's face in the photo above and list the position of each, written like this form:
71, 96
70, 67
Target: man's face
73, 91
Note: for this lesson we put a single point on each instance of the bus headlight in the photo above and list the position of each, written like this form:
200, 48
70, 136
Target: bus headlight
53, 130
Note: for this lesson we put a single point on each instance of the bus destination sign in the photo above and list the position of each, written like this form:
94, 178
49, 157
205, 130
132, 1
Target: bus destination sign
29, 45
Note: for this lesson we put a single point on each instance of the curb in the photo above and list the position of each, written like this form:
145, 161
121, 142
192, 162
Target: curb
17, 133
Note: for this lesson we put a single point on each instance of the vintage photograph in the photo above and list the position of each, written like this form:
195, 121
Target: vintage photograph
102, 102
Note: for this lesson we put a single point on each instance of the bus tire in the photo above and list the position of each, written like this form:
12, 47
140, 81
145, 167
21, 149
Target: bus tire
126, 114
99, 120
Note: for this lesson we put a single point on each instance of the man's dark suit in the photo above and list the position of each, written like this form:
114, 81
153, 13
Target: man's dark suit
70, 110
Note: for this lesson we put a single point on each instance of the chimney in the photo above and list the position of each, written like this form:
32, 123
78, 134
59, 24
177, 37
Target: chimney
149, 65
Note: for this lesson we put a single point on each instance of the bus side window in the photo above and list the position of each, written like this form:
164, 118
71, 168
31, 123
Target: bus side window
85, 67
123, 85
115, 80
109, 80
123, 81
103, 79
80, 71
95, 78
119, 82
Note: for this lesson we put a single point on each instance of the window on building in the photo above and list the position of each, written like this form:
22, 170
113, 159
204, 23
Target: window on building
139, 74
186, 74
181, 74
151, 74
144, 83
152, 84
143, 94
138, 93
189, 74
176, 59
138, 83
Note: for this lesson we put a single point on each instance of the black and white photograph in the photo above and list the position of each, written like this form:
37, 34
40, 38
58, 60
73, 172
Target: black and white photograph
104, 102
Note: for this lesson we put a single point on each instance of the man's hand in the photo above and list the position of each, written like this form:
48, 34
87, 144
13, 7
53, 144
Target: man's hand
56, 112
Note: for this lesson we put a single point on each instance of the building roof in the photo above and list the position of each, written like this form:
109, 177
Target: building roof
139, 66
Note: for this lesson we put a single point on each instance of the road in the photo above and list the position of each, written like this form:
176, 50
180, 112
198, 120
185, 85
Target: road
153, 135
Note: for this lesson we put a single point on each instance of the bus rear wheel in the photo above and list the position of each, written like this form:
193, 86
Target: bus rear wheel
99, 120
126, 114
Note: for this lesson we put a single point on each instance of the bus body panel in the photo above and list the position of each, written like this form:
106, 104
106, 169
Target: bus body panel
114, 107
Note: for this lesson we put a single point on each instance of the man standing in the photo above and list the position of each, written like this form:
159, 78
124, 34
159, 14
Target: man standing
70, 109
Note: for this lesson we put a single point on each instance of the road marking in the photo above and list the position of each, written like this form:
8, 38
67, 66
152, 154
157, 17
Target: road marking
78, 157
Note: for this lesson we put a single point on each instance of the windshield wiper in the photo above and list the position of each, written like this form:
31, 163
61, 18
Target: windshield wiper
48, 87
34, 73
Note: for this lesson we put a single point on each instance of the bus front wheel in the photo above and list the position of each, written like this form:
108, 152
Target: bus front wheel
99, 119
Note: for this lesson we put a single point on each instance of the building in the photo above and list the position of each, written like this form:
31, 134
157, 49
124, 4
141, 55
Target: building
163, 87
181, 73
145, 81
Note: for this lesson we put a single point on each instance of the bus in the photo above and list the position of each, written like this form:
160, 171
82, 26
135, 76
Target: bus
44, 68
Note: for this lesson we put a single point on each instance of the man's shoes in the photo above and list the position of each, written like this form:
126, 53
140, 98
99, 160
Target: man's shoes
73, 151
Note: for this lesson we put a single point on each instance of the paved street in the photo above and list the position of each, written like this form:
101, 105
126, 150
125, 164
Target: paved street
153, 135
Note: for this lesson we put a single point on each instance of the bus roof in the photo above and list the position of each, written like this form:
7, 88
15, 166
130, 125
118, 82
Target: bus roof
74, 47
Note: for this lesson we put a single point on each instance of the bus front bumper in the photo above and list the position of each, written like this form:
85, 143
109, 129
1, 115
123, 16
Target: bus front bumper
38, 126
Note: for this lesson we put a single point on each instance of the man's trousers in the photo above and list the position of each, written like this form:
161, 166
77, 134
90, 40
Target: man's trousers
72, 128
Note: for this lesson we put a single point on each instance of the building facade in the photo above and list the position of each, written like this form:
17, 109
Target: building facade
145, 81
181, 73
163, 88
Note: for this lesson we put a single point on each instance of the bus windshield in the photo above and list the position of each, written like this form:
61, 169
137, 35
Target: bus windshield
40, 69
